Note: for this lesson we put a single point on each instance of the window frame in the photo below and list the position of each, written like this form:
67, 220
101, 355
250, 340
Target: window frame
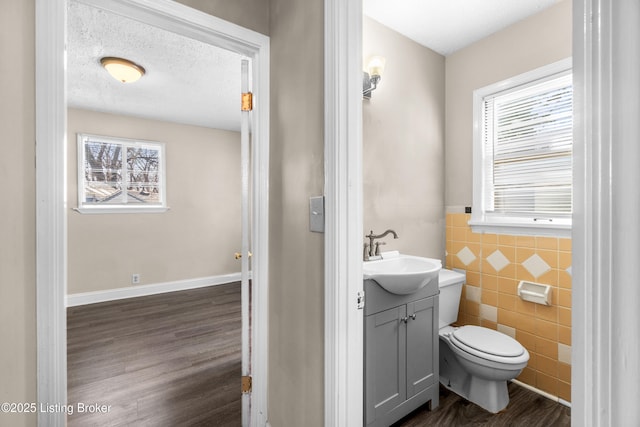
88, 208
504, 223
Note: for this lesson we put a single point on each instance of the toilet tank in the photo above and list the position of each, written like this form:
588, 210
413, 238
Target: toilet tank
450, 283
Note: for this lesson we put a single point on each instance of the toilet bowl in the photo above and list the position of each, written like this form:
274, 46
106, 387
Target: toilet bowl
475, 362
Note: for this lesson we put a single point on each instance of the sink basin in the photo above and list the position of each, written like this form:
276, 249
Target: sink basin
402, 274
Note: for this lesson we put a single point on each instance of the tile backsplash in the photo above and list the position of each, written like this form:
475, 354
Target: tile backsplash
495, 264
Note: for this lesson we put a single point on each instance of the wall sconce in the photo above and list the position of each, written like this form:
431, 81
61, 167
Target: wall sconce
373, 76
122, 70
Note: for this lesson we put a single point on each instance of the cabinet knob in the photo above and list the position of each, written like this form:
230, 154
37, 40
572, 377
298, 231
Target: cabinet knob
405, 319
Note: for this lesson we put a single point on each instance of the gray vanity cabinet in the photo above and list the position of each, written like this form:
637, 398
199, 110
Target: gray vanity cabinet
422, 337
385, 362
401, 353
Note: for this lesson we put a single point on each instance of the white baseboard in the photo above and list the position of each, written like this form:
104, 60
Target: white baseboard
84, 298
543, 393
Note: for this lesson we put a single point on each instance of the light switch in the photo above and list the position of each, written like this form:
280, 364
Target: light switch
316, 214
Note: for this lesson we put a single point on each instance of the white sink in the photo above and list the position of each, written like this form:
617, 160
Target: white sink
401, 274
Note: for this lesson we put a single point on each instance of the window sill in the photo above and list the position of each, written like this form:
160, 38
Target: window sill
121, 210
556, 230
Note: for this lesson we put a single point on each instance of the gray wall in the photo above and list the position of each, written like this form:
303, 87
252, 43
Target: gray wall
17, 216
296, 317
195, 238
252, 14
539, 40
403, 144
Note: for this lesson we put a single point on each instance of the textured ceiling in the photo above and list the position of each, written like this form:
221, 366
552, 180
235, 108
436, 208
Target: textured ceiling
191, 82
448, 25
186, 81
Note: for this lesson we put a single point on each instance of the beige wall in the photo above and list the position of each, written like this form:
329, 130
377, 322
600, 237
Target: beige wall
252, 14
17, 216
199, 234
403, 144
296, 255
529, 44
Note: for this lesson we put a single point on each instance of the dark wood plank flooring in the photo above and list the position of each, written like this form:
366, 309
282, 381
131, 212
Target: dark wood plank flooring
526, 409
161, 360
174, 360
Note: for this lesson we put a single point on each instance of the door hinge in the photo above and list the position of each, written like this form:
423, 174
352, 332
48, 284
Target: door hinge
247, 101
246, 384
360, 299
238, 255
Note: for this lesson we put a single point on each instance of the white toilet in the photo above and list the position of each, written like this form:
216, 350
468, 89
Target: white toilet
475, 362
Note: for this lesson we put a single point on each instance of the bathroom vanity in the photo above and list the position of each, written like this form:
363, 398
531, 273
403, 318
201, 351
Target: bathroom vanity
401, 352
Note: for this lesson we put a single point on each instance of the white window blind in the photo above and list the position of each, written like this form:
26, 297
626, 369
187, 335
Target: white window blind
522, 162
528, 140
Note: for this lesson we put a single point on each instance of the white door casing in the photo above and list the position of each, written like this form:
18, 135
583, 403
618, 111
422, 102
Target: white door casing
244, 260
51, 204
605, 381
344, 339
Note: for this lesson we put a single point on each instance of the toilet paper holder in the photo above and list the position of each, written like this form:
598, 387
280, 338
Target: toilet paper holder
534, 292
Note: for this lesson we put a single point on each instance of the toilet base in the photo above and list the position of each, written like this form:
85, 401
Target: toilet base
492, 396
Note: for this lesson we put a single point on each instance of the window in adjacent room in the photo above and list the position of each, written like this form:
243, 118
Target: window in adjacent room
120, 175
523, 137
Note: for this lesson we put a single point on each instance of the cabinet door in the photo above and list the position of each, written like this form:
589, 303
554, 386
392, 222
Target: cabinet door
385, 362
422, 341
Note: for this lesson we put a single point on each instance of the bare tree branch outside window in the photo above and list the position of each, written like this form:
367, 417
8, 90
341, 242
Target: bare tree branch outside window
121, 172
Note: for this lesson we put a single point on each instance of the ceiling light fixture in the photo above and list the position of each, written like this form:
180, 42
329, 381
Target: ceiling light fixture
373, 76
122, 69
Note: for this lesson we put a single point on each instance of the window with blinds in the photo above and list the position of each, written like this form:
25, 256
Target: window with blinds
523, 151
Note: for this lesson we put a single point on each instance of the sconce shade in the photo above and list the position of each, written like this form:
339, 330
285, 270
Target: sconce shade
122, 69
376, 66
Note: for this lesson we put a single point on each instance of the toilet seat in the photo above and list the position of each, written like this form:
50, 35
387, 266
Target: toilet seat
489, 345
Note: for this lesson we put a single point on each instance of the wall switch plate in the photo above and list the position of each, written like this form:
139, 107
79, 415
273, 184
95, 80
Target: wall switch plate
316, 214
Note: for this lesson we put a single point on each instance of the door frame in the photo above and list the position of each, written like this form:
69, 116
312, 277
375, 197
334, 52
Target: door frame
343, 320
51, 194
605, 368
597, 27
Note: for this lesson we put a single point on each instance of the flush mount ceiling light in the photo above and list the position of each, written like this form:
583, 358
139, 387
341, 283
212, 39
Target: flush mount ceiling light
122, 69
375, 67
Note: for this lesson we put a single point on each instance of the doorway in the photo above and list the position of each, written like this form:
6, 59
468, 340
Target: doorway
598, 31
52, 207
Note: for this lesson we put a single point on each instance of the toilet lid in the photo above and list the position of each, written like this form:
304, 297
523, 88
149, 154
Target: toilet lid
488, 341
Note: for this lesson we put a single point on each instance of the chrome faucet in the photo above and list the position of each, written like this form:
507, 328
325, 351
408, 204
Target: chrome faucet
372, 249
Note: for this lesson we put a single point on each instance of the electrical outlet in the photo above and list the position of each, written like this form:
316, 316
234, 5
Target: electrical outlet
135, 279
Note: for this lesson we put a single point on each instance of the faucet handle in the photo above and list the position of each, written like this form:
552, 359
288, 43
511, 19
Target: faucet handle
378, 247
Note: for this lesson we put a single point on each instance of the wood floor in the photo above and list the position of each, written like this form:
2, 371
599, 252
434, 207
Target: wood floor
525, 409
162, 360
174, 360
